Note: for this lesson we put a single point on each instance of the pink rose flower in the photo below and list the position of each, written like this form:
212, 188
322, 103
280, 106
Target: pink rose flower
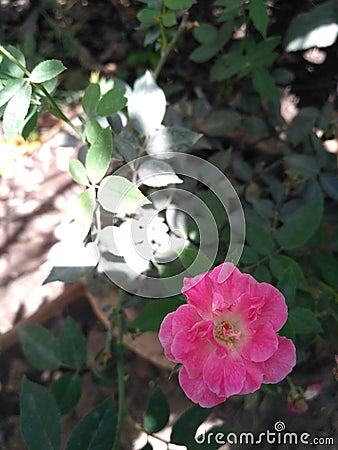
226, 336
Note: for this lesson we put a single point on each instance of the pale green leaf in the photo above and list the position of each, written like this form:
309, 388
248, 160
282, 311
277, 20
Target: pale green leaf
98, 156
78, 171
16, 111
46, 70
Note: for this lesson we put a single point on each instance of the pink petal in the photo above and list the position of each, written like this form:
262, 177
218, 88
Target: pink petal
274, 310
253, 378
224, 376
199, 292
281, 362
261, 345
193, 347
198, 391
185, 317
166, 336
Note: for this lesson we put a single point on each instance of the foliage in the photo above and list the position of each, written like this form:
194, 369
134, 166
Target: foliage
133, 144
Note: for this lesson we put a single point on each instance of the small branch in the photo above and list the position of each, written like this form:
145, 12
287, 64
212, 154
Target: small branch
171, 45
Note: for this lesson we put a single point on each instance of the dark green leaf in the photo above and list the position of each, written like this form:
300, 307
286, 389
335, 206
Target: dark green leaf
39, 347
46, 70
169, 19
262, 274
259, 239
96, 431
78, 171
171, 139
179, 4
306, 165
10, 89
73, 346
326, 266
255, 126
67, 274
220, 122
67, 391
194, 261
301, 225
184, 430
303, 321
39, 418
150, 318
205, 33
119, 195
329, 183
204, 52
16, 111
302, 125
279, 263
98, 156
113, 101
91, 98
259, 15
287, 285
30, 121
157, 413
249, 256
264, 84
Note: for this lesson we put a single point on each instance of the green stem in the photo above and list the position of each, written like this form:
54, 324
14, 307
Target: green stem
169, 48
120, 378
265, 258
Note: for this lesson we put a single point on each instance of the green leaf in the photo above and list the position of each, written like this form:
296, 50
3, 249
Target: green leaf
16, 111
96, 431
278, 265
82, 211
93, 130
156, 173
184, 430
262, 274
259, 15
179, 4
98, 156
259, 239
329, 183
302, 124
157, 413
255, 126
113, 101
205, 33
326, 266
264, 84
170, 139
78, 171
303, 321
67, 391
204, 52
195, 261
91, 98
249, 256
301, 225
9, 69
46, 70
287, 285
169, 19
73, 345
150, 318
39, 347
39, 417
10, 89
67, 274
220, 122
148, 15
119, 195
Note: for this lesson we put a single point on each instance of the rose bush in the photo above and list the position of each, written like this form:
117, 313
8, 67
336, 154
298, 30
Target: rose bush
226, 336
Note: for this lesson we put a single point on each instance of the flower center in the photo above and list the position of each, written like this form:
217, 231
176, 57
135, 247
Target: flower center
226, 332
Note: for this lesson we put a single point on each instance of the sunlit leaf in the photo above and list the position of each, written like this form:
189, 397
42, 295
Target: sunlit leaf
16, 111
10, 89
98, 156
112, 101
157, 414
119, 195
157, 173
171, 139
91, 98
78, 171
8, 68
46, 70
184, 429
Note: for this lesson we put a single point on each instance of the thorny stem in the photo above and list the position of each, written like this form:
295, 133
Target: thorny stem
120, 377
57, 112
169, 48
